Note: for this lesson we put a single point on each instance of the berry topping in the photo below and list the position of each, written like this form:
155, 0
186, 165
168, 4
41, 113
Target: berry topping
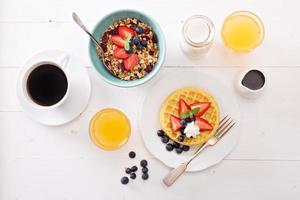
135, 40
124, 180
203, 124
175, 123
139, 47
125, 32
185, 148
203, 107
180, 138
169, 147
131, 154
117, 40
131, 61
114, 32
132, 175
120, 53
183, 107
143, 163
165, 139
145, 170
179, 150
160, 133
176, 145
145, 176
139, 30
183, 122
144, 43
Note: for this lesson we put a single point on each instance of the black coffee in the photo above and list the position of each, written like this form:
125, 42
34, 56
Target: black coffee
254, 80
47, 85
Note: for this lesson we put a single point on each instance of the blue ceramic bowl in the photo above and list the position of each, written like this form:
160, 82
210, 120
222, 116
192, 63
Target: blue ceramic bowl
100, 29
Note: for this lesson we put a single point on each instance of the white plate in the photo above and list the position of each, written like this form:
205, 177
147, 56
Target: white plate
149, 118
79, 94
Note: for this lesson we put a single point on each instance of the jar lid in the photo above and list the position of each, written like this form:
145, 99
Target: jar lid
198, 31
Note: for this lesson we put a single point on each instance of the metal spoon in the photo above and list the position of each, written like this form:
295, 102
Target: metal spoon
96, 42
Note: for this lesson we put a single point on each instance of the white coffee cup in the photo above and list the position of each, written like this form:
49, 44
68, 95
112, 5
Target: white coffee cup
62, 63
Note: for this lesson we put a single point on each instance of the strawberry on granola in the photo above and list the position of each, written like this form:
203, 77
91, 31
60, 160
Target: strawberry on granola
130, 48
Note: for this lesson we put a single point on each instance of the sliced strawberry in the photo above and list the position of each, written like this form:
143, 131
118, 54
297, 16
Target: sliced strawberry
175, 123
203, 124
124, 32
183, 107
131, 61
203, 107
120, 53
117, 40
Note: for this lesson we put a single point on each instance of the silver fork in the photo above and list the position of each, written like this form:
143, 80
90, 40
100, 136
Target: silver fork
224, 126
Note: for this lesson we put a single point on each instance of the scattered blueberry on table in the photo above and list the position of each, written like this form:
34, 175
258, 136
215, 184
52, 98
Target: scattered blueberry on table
124, 180
132, 154
131, 171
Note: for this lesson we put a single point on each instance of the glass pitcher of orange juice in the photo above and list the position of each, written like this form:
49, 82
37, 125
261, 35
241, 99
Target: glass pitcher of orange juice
109, 129
242, 31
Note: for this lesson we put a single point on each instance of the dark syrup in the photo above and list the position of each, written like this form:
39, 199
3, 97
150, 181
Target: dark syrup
47, 85
254, 80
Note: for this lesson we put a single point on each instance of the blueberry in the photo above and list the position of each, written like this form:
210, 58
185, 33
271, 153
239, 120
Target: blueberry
183, 122
135, 40
176, 145
144, 43
132, 175
169, 147
124, 180
154, 38
128, 170
180, 138
114, 31
179, 150
188, 120
129, 51
145, 176
165, 139
131, 154
143, 163
160, 133
139, 47
139, 30
185, 148
145, 170
182, 130
149, 68
133, 168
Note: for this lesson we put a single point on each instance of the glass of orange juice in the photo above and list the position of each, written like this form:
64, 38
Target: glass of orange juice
109, 129
242, 31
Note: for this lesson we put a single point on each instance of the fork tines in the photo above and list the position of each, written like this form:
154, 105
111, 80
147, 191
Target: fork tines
224, 126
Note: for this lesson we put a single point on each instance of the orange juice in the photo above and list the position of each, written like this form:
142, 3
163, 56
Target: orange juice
109, 129
242, 31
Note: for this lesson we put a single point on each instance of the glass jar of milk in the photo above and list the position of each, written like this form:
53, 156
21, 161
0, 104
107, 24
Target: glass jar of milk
197, 35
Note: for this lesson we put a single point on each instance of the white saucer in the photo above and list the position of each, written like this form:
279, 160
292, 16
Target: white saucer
149, 118
78, 96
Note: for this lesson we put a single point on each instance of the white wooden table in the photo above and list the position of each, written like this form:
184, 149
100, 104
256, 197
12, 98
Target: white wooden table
61, 163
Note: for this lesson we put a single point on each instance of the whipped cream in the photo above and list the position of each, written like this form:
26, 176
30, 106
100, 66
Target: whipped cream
191, 130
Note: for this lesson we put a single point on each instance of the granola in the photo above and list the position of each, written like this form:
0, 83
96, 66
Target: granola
130, 49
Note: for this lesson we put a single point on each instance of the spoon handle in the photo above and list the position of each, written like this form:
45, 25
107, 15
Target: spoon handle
79, 22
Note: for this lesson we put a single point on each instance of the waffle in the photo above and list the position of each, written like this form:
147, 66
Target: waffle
190, 95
